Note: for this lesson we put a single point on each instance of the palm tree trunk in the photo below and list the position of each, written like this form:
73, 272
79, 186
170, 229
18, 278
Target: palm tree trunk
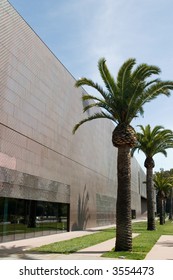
170, 209
150, 200
161, 210
164, 214
123, 207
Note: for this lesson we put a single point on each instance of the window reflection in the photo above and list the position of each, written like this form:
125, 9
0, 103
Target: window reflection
20, 218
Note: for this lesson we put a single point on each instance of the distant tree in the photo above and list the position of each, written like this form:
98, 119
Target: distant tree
171, 205
169, 173
163, 186
152, 142
121, 101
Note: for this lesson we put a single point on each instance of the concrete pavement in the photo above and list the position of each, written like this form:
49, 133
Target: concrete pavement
163, 249
20, 249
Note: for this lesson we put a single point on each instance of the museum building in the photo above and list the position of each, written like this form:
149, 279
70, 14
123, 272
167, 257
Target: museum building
50, 179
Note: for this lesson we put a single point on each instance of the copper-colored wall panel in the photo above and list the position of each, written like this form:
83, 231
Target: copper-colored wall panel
39, 106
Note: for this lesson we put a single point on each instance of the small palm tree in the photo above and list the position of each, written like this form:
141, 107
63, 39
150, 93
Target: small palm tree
121, 101
163, 186
170, 207
152, 142
169, 173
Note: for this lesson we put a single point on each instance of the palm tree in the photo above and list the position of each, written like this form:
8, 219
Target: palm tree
152, 142
170, 207
121, 101
169, 173
163, 186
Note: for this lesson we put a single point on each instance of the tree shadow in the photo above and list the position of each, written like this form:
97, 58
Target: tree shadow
165, 244
17, 252
83, 211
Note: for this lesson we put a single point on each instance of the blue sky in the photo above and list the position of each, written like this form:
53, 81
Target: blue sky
79, 32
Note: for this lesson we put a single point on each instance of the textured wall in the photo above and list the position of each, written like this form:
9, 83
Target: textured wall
22, 185
39, 106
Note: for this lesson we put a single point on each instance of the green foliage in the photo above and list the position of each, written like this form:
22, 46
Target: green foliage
78, 243
153, 141
144, 242
162, 182
123, 98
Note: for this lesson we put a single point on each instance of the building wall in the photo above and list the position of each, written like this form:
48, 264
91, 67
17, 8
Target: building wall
39, 107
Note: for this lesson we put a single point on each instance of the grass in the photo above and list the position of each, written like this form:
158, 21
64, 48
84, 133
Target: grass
142, 244
78, 243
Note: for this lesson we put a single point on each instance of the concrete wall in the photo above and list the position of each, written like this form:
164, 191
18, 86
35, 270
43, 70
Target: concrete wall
39, 106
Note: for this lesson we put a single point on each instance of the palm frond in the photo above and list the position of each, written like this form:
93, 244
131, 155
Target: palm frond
162, 183
155, 90
124, 76
91, 97
154, 141
107, 104
102, 105
90, 83
134, 149
125, 97
137, 89
95, 116
155, 81
144, 71
107, 78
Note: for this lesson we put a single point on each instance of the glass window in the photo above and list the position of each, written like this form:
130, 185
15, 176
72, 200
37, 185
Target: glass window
20, 218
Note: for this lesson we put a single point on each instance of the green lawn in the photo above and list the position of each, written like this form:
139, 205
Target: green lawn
78, 243
142, 244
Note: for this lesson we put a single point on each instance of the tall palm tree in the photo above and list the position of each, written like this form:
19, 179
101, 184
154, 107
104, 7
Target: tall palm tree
163, 185
152, 142
121, 101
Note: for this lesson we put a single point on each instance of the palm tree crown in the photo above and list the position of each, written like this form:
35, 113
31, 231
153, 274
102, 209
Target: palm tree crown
163, 185
153, 141
123, 99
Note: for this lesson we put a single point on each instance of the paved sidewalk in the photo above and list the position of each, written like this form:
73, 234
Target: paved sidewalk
163, 249
19, 249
